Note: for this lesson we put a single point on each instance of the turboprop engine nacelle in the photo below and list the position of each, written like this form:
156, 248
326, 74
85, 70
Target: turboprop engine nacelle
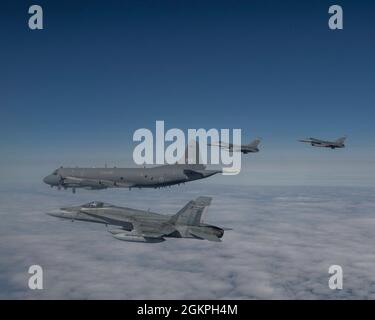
131, 237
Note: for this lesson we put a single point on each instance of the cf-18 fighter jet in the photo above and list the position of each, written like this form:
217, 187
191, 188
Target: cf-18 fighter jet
155, 177
339, 143
244, 148
145, 226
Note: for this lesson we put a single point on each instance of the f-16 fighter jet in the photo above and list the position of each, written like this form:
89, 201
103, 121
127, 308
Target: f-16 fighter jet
339, 143
145, 226
244, 148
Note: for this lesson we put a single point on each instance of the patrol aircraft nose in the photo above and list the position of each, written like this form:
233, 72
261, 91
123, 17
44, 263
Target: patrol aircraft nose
51, 180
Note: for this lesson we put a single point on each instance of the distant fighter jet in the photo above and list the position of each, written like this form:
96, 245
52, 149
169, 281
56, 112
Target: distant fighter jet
145, 226
244, 148
155, 177
339, 143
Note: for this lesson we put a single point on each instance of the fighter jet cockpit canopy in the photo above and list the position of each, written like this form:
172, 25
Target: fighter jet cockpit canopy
96, 204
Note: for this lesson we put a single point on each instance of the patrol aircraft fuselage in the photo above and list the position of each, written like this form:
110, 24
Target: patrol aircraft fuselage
102, 178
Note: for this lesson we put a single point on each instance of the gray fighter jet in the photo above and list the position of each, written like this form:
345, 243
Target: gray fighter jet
244, 148
145, 226
339, 143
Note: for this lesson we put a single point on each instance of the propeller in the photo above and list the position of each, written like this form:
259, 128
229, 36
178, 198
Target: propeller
60, 183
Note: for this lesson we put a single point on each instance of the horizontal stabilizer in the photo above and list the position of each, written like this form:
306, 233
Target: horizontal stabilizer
204, 235
193, 173
198, 174
230, 171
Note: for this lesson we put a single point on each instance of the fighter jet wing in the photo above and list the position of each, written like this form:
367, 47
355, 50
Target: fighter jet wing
220, 144
138, 233
147, 230
109, 217
141, 228
312, 140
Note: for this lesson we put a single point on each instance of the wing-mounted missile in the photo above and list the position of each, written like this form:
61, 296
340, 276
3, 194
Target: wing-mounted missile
121, 230
133, 237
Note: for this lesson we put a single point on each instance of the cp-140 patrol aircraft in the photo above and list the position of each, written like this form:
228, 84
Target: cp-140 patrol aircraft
154, 177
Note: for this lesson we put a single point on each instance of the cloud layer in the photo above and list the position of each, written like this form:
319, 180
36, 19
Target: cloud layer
283, 241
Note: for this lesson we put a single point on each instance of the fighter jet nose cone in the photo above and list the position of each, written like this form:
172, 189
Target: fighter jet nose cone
60, 213
55, 213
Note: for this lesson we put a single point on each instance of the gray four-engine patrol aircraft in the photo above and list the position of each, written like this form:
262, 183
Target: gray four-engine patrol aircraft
154, 177
339, 143
145, 226
244, 148
102, 178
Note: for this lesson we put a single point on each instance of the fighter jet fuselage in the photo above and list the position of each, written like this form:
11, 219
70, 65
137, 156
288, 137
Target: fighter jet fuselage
145, 226
244, 148
102, 178
339, 143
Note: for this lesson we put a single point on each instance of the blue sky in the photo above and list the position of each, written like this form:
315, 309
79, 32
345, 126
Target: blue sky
75, 92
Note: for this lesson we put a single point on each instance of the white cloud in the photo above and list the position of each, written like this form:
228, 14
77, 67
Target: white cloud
283, 242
